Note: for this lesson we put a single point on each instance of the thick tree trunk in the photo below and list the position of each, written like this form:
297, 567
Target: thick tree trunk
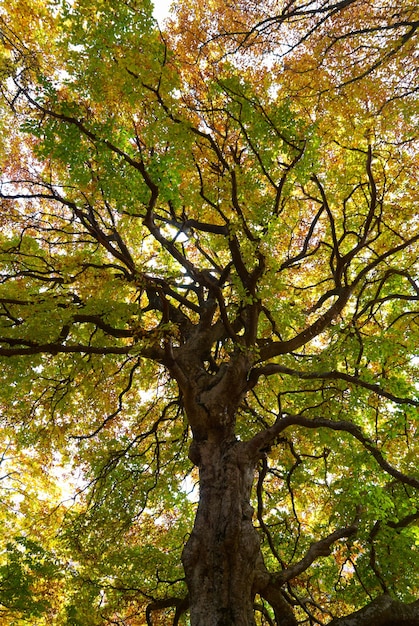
221, 554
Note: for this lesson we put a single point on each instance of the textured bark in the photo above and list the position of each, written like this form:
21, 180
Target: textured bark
221, 554
284, 615
222, 560
383, 611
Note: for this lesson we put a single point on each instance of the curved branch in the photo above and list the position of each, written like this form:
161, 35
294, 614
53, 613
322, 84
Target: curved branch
276, 348
276, 368
356, 432
266, 437
119, 408
179, 604
382, 611
317, 549
284, 614
100, 323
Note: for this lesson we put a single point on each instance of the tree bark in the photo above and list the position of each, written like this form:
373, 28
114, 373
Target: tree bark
220, 557
383, 611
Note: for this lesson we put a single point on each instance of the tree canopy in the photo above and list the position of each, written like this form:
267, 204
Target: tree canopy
209, 261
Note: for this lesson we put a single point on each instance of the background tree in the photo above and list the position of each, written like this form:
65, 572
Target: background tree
209, 276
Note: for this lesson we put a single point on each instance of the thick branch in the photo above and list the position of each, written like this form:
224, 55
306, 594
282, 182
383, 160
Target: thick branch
152, 352
277, 348
383, 611
356, 432
284, 614
56, 348
317, 549
179, 604
276, 368
266, 438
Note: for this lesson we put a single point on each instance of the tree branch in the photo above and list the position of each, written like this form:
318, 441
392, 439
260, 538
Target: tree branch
382, 611
317, 549
266, 437
276, 348
276, 368
180, 604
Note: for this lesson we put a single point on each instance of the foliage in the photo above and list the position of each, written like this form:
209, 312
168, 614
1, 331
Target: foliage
207, 229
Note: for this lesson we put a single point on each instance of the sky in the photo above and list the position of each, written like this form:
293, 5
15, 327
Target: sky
161, 9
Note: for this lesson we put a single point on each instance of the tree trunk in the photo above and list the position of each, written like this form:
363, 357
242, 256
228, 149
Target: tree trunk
221, 554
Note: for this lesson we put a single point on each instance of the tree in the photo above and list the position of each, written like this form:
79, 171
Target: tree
209, 275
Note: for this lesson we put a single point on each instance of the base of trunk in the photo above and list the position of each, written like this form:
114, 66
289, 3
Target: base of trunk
221, 554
